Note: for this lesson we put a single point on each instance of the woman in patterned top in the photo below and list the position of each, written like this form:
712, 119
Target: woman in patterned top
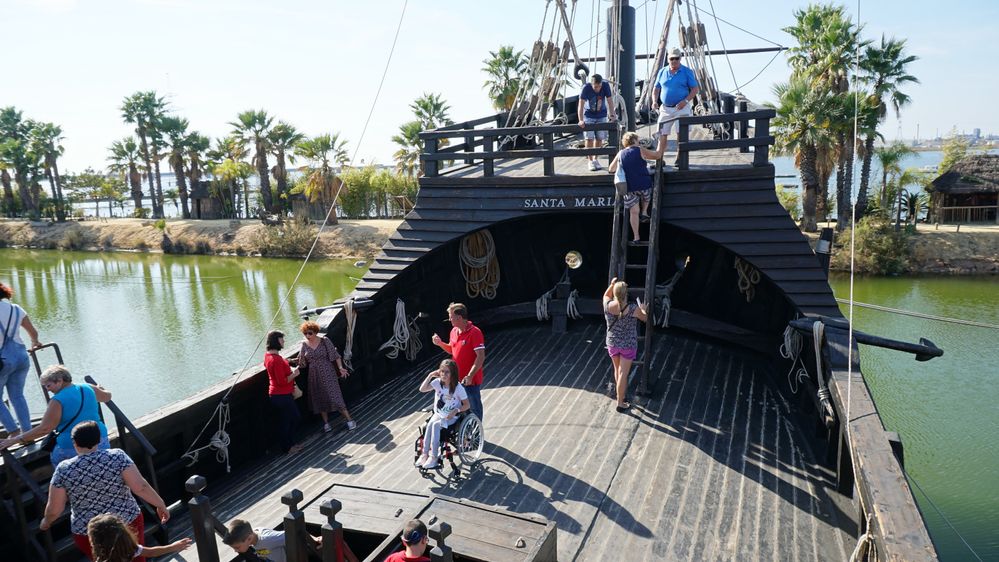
622, 335
320, 357
95, 482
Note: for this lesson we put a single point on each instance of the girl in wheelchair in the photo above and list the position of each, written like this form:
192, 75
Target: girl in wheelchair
450, 400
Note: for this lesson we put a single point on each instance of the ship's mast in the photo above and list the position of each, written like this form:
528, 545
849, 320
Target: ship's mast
621, 54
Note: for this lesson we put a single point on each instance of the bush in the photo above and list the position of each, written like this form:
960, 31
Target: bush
140, 244
293, 238
879, 249
140, 213
74, 239
106, 242
790, 200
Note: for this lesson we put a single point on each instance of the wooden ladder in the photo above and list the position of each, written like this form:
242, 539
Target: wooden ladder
621, 264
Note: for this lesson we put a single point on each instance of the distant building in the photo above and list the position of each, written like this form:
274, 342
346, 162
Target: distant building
976, 133
969, 191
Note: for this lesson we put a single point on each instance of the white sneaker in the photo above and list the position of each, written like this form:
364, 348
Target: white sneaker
422, 460
327, 428
594, 166
431, 463
351, 425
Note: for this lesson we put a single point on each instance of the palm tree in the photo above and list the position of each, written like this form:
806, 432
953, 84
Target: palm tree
407, 157
884, 69
230, 171
321, 182
890, 159
431, 111
505, 70
171, 196
197, 145
124, 159
45, 141
144, 109
283, 138
8, 193
175, 129
16, 155
802, 130
253, 128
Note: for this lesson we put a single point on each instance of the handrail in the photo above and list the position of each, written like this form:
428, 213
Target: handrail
122, 419
504, 131
38, 366
15, 468
760, 141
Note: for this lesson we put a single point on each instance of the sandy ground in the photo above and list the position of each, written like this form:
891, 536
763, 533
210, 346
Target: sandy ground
348, 239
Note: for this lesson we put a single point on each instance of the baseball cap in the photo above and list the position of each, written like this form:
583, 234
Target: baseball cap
675, 53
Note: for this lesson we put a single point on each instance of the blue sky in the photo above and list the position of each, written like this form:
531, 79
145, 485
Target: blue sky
316, 64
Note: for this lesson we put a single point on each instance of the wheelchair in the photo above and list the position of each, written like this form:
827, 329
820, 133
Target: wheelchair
464, 437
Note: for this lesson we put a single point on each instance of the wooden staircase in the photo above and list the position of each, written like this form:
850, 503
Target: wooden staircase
642, 259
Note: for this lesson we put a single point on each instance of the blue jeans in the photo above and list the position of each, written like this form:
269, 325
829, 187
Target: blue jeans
475, 400
60, 454
12, 377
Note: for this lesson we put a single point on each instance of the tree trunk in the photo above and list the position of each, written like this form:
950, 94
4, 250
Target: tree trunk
158, 197
178, 171
265, 180
809, 188
8, 193
281, 175
843, 203
110, 208
246, 198
36, 197
157, 209
55, 195
865, 176
28, 205
135, 181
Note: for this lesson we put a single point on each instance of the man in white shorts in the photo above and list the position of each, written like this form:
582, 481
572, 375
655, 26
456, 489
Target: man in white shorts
676, 87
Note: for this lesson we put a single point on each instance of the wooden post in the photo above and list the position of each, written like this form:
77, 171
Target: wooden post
441, 552
487, 163
682, 155
728, 108
823, 248
844, 466
549, 160
430, 167
761, 154
613, 142
469, 147
202, 520
743, 125
332, 532
294, 528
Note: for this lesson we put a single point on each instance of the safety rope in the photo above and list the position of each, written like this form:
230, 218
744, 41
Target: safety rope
722, 39
921, 314
791, 349
479, 265
348, 346
664, 294
749, 276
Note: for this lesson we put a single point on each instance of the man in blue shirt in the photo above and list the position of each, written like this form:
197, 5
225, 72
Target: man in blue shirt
676, 87
596, 105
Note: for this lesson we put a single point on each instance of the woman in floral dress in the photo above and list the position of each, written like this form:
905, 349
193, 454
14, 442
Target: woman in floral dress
324, 364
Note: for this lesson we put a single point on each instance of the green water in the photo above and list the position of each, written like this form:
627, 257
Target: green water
947, 409
155, 328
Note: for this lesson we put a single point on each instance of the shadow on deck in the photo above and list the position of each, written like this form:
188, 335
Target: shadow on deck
713, 467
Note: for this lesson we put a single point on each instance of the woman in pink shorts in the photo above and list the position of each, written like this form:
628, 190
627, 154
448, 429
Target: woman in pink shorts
622, 335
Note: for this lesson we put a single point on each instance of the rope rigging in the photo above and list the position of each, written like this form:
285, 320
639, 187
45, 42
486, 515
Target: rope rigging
749, 276
220, 440
348, 346
405, 335
479, 265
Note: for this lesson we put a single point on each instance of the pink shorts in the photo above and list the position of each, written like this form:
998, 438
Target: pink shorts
628, 353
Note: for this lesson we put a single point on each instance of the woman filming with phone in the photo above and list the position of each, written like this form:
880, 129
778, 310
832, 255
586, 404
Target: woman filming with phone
622, 335
450, 399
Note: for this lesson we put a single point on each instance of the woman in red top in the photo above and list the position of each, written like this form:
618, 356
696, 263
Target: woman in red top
282, 384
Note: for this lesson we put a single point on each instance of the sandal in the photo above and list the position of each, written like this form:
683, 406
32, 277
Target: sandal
624, 408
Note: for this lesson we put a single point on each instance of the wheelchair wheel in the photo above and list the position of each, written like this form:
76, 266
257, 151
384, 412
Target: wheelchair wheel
470, 439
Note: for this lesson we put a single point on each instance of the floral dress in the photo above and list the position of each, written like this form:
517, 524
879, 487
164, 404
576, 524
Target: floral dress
324, 388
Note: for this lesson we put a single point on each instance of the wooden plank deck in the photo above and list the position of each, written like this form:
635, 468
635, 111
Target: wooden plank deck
713, 467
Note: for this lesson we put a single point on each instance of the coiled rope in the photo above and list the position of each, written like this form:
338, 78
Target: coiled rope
818, 333
479, 266
348, 346
865, 545
405, 335
570, 306
749, 276
541, 305
219, 441
791, 349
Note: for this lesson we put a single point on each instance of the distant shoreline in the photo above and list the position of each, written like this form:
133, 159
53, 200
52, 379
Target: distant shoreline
346, 240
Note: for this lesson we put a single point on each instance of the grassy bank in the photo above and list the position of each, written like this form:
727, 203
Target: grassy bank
930, 250
349, 239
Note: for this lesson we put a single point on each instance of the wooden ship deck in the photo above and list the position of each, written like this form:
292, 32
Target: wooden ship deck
721, 459
715, 467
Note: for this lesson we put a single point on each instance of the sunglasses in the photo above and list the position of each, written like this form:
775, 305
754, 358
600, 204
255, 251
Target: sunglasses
674, 58
309, 333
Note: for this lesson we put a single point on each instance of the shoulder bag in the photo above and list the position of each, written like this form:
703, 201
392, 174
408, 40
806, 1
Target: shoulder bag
49, 444
5, 337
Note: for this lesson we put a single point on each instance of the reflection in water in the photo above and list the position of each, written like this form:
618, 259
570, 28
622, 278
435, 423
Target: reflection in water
154, 328
941, 407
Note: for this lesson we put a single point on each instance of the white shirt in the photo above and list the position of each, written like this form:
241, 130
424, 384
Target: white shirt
451, 401
14, 330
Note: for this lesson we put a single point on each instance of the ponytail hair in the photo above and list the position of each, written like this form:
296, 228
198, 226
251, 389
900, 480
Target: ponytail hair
621, 296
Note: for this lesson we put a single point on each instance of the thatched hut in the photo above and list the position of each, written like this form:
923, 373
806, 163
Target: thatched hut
204, 203
969, 191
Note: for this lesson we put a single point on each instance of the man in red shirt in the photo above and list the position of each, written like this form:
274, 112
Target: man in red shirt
467, 347
414, 538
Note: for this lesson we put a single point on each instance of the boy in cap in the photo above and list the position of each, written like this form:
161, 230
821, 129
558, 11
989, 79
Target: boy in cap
414, 538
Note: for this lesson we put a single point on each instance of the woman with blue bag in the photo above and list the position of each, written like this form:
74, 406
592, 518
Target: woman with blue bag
632, 179
14, 362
